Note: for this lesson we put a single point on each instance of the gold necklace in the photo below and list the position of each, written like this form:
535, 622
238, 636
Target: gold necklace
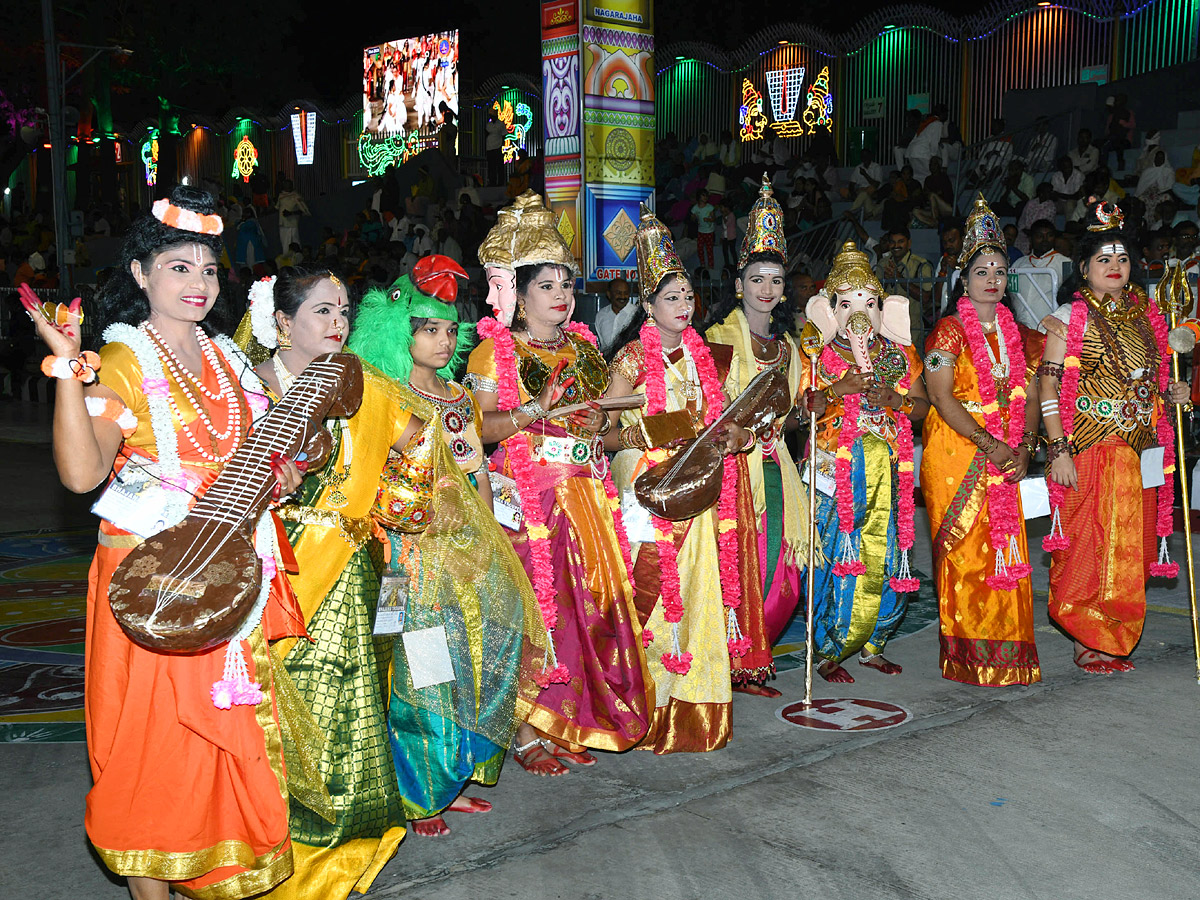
1118, 310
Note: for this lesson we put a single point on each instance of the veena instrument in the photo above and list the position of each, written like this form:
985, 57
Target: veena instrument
190, 588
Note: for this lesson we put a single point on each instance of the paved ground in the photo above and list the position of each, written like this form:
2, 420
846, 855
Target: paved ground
1079, 787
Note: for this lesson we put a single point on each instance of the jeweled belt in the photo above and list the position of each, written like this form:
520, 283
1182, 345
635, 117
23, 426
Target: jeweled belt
1125, 412
566, 450
355, 531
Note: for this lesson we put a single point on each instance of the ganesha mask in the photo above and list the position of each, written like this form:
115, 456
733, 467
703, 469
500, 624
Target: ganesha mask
857, 316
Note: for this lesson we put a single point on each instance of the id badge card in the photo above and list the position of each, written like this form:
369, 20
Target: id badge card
1152, 468
826, 465
1035, 497
393, 603
506, 502
135, 501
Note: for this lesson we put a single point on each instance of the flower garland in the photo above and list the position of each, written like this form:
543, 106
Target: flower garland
714, 402
162, 424
848, 561
1003, 509
1164, 432
904, 582
235, 687
520, 455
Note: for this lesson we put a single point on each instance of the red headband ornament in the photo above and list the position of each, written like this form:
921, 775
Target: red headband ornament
185, 219
434, 275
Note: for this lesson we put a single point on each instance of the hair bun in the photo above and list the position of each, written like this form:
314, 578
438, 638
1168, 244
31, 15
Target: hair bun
193, 198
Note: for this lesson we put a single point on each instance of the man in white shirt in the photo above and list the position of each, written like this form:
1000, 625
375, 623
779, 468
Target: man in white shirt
926, 143
1067, 184
612, 319
1086, 156
865, 181
1037, 275
1187, 246
291, 207
1043, 150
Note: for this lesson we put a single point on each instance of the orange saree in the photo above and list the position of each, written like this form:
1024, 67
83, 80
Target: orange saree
986, 635
183, 792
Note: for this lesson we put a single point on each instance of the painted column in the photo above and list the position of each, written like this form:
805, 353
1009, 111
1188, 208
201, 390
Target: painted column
618, 131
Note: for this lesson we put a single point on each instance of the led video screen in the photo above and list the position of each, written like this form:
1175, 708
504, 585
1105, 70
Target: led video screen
410, 84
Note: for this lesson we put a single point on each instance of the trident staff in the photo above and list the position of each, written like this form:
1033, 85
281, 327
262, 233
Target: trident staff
1176, 294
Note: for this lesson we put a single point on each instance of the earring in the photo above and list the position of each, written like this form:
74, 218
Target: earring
521, 307
738, 294
285, 340
783, 298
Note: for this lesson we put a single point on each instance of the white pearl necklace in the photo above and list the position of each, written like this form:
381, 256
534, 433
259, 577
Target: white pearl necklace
999, 366
180, 373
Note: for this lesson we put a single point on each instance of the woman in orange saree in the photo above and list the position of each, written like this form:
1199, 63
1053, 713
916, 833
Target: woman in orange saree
169, 401
977, 365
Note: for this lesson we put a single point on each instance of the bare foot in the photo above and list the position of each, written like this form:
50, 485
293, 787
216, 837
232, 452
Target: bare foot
434, 826
758, 690
1095, 663
534, 757
886, 666
832, 672
464, 804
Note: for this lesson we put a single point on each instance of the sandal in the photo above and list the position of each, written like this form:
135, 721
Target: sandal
886, 666
543, 761
580, 759
469, 805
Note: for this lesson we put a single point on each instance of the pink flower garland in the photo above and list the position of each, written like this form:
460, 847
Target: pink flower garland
1164, 431
1003, 509
714, 400
904, 582
848, 562
1068, 390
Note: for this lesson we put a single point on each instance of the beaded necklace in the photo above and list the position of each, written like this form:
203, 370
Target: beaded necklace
184, 378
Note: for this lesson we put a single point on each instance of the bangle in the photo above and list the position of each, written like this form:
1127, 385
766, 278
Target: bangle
984, 441
631, 437
606, 427
512, 415
749, 445
1030, 441
1055, 449
82, 368
533, 409
907, 404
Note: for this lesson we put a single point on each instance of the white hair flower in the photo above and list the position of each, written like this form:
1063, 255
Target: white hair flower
262, 312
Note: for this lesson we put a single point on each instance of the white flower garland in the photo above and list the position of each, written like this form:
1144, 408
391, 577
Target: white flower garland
262, 312
162, 425
252, 386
